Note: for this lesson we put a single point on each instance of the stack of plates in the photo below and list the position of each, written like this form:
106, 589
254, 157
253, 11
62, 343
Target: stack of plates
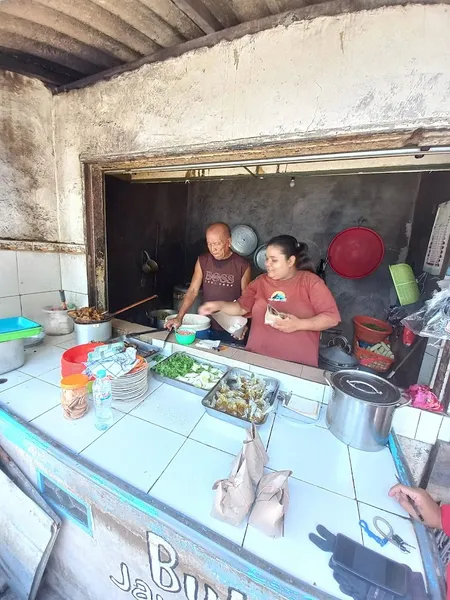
133, 385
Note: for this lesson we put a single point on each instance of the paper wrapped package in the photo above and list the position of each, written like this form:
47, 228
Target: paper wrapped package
255, 455
233, 325
272, 315
271, 505
234, 495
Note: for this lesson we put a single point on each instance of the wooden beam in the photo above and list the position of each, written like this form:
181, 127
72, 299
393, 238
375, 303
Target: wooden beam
27, 64
201, 15
330, 8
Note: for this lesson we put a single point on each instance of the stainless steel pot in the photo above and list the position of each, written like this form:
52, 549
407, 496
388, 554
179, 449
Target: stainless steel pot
158, 317
361, 409
93, 332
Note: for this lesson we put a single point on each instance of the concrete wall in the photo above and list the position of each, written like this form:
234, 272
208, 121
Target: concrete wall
361, 72
315, 210
28, 205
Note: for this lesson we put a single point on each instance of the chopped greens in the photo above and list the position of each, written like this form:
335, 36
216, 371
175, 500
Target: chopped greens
184, 368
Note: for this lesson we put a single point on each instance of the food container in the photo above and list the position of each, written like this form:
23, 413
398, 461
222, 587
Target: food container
12, 355
158, 318
369, 334
272, 386
299, 409
74, 396
182, 385
16, 328
185, 337
57, 321
361, 409
179, 292
86, 333
72, 361
233, 325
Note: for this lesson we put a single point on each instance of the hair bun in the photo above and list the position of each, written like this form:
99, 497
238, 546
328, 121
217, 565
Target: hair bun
302, 247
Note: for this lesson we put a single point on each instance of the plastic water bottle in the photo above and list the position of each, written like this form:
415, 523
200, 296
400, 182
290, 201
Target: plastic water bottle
102, 393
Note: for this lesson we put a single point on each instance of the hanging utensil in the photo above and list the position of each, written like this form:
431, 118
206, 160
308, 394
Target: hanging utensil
148, 264
355, 252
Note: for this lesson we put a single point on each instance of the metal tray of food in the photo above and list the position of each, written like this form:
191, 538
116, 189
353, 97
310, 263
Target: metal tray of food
183, 385
233, 382
144, 349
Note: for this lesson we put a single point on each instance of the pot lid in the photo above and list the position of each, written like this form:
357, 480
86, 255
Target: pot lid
334, 354
365, 386
260, 258
243, 240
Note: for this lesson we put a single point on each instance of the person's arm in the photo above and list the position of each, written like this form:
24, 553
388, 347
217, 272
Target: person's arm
246, 278
240, 308
189, 299
234, 309
430, 510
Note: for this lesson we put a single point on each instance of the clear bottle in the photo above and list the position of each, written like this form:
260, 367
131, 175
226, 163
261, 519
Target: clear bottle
101, 391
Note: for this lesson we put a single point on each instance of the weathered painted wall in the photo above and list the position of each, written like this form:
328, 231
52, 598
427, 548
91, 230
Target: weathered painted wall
314, 211
361, 72
28, 205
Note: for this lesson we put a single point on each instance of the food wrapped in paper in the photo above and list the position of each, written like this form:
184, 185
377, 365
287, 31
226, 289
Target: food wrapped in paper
233, 325
272, 501
234, 495
272, 315
255, 455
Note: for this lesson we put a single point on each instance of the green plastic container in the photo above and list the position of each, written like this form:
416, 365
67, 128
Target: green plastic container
405, 284
16, 328
185, 337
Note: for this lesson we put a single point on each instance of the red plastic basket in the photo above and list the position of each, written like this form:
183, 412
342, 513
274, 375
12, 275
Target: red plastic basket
370, 359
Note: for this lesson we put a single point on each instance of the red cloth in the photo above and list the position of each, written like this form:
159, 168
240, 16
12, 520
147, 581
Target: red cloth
445, 514
305, 295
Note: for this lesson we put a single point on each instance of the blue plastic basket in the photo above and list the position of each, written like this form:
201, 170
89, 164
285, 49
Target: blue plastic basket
15, 328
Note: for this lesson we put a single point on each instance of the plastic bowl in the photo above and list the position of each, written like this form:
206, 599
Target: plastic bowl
185, 336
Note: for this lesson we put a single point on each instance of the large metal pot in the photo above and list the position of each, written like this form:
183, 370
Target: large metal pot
158, 317
179, 292
361, 409
93, 332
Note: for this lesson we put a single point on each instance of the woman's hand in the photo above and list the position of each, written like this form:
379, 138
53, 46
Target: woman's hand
288, 324
209, 308
430, 510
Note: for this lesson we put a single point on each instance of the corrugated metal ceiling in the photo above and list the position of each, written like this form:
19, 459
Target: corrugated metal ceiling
63, 41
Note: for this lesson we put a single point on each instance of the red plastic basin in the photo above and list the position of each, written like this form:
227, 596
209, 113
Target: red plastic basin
72, 360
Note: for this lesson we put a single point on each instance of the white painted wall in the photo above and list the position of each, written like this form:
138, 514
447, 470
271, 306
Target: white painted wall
370, 71
28, 205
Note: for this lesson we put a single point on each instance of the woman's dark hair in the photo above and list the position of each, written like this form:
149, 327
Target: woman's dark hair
290, 247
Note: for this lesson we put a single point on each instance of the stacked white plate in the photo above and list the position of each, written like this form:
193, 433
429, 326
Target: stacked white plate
132, 386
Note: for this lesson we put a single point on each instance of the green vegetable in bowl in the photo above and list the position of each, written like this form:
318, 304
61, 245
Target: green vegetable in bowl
184, 368
374, 327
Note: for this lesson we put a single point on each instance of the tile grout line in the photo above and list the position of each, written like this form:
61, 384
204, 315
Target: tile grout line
351, 471
167, 466
101, 432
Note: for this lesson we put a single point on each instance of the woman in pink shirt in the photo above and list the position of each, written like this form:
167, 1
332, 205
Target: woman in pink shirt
291, 287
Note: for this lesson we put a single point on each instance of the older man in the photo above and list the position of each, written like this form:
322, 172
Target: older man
222, 274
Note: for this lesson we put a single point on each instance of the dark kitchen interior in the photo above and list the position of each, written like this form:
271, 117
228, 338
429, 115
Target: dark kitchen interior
168, 221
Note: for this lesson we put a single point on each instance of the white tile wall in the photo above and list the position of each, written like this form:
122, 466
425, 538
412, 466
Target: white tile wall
38, 272
428, 428
10, 307
406, 421
74, 273
80, 300
9, 285
444, 431
32, 304
427, 368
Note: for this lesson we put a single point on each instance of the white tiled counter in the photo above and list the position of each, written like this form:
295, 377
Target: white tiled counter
167, 446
